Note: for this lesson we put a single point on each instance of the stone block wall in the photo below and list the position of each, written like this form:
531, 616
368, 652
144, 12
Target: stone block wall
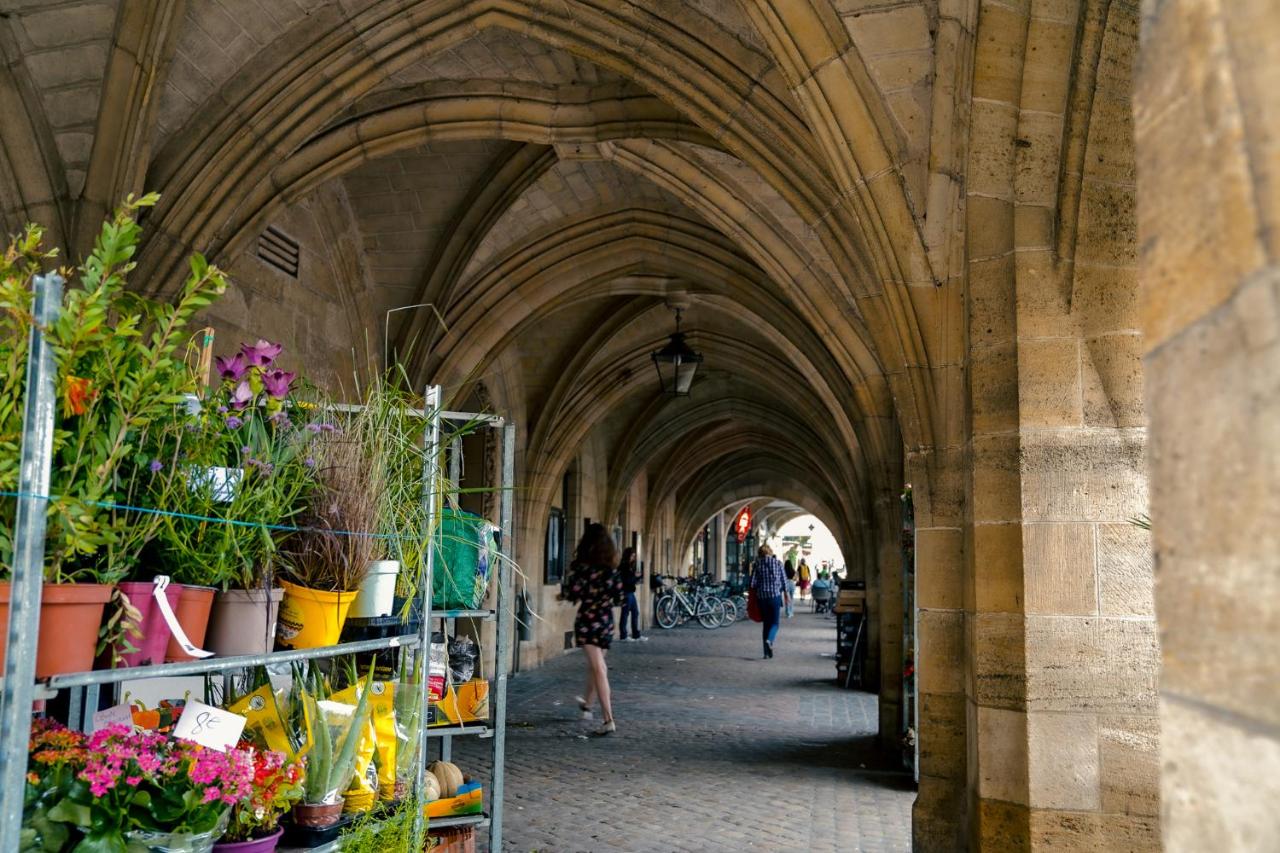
1206, 125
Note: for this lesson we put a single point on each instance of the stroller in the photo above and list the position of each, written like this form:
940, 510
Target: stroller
824, 596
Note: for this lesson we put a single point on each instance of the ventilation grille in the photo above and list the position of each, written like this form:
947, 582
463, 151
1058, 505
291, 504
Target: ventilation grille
279, 250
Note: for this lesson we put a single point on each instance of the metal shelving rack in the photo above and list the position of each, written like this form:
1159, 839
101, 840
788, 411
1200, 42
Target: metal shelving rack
20, 689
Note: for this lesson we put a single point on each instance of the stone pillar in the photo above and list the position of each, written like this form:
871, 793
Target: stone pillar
1207, 121
888, 614
1060, 647
939, 816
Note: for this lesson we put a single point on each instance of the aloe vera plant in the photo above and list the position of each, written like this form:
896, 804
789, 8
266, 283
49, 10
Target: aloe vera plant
332, 762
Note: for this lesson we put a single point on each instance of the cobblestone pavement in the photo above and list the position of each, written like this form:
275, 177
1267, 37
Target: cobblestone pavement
715, 750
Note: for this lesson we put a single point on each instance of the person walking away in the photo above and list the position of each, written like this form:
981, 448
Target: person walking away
790, 571
803, 577
769, 582
630, 571
595, 585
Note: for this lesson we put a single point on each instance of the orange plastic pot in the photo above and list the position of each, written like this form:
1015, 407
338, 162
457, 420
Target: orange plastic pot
70, 615
193, 615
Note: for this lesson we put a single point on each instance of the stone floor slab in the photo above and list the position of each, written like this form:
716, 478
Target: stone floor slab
716, 751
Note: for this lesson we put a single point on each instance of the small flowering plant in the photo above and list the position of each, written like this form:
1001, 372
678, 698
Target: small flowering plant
141, 781
55, 755
276, 786
242, 454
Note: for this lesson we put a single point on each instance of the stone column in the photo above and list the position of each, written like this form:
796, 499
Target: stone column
1060, 644
939, 817
1207, 121
888, 614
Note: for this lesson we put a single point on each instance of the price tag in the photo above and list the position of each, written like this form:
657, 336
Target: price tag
209, 726
110, 716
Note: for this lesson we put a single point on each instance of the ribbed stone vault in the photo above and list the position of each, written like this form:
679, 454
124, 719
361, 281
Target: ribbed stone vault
902, 233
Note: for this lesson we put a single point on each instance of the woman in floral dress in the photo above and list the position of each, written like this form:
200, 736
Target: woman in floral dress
595, 585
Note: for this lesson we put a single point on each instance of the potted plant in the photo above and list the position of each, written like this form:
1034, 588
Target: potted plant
326, 561
56, 754
118, 372
255, 821
142, 792
239, 468
334, 730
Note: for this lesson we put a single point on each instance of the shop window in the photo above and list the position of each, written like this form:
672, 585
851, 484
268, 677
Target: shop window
555, 546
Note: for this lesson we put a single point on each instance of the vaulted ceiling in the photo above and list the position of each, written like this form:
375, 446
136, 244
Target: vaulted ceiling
543, 184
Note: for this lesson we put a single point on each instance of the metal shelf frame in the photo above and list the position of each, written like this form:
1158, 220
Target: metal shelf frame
19, 688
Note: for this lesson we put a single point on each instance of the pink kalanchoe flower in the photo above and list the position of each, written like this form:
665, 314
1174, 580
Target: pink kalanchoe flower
277, 383
233, 368
262, 353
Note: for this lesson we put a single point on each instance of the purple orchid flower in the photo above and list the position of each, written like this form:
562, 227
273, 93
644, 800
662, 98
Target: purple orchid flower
242, 395
262, 353
277, 383
233, 368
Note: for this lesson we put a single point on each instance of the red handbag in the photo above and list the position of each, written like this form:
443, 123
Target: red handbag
753, 607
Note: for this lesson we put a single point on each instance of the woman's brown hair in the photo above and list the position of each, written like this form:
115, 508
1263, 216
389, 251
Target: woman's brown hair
596, 548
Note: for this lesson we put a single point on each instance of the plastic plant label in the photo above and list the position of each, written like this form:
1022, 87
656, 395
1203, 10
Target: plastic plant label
208, 726
175, 628
116, 714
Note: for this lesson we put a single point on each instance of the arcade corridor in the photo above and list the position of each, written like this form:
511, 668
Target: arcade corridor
716, 751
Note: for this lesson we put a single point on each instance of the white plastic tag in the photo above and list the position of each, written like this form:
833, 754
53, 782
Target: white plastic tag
209, 726
161, 584
122, 714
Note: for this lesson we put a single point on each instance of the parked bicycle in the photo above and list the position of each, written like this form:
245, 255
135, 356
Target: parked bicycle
685, 600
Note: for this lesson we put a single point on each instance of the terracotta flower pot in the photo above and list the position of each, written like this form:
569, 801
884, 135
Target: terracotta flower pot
193, 615
317, 816
266, 844
70, 615
243, 621
153, 627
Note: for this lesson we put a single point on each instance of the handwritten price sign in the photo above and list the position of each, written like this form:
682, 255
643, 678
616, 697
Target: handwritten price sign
209, 726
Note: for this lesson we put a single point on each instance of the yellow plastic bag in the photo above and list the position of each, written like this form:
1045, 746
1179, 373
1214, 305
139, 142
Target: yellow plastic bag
364, 784
261, 709
382, 712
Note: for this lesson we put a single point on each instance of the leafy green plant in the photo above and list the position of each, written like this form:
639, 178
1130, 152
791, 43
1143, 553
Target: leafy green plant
380, 833
119, 373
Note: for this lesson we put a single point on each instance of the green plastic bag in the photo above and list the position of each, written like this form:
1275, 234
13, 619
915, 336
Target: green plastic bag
463, 559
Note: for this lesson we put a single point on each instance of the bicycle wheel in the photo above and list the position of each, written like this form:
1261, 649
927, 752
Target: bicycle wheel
731, 612
668, 612
711, 614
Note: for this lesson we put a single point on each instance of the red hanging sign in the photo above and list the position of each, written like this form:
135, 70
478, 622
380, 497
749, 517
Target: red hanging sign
743, 523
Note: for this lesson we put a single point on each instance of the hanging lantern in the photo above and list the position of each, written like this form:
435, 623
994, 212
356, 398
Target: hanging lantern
676, 363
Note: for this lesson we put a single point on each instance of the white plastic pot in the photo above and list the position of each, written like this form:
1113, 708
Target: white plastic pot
377, 593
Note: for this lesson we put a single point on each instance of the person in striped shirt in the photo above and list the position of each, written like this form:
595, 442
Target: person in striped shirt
769, 583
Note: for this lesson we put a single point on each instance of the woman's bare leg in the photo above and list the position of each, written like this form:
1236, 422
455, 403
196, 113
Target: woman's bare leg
600, 670
589, 695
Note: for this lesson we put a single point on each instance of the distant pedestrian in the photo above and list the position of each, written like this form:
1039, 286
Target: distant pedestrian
595, 585
769, 582
630, 571
790, 571
803, 577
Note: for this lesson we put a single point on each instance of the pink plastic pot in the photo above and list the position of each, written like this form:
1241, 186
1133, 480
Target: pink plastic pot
256, 845
155, 631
